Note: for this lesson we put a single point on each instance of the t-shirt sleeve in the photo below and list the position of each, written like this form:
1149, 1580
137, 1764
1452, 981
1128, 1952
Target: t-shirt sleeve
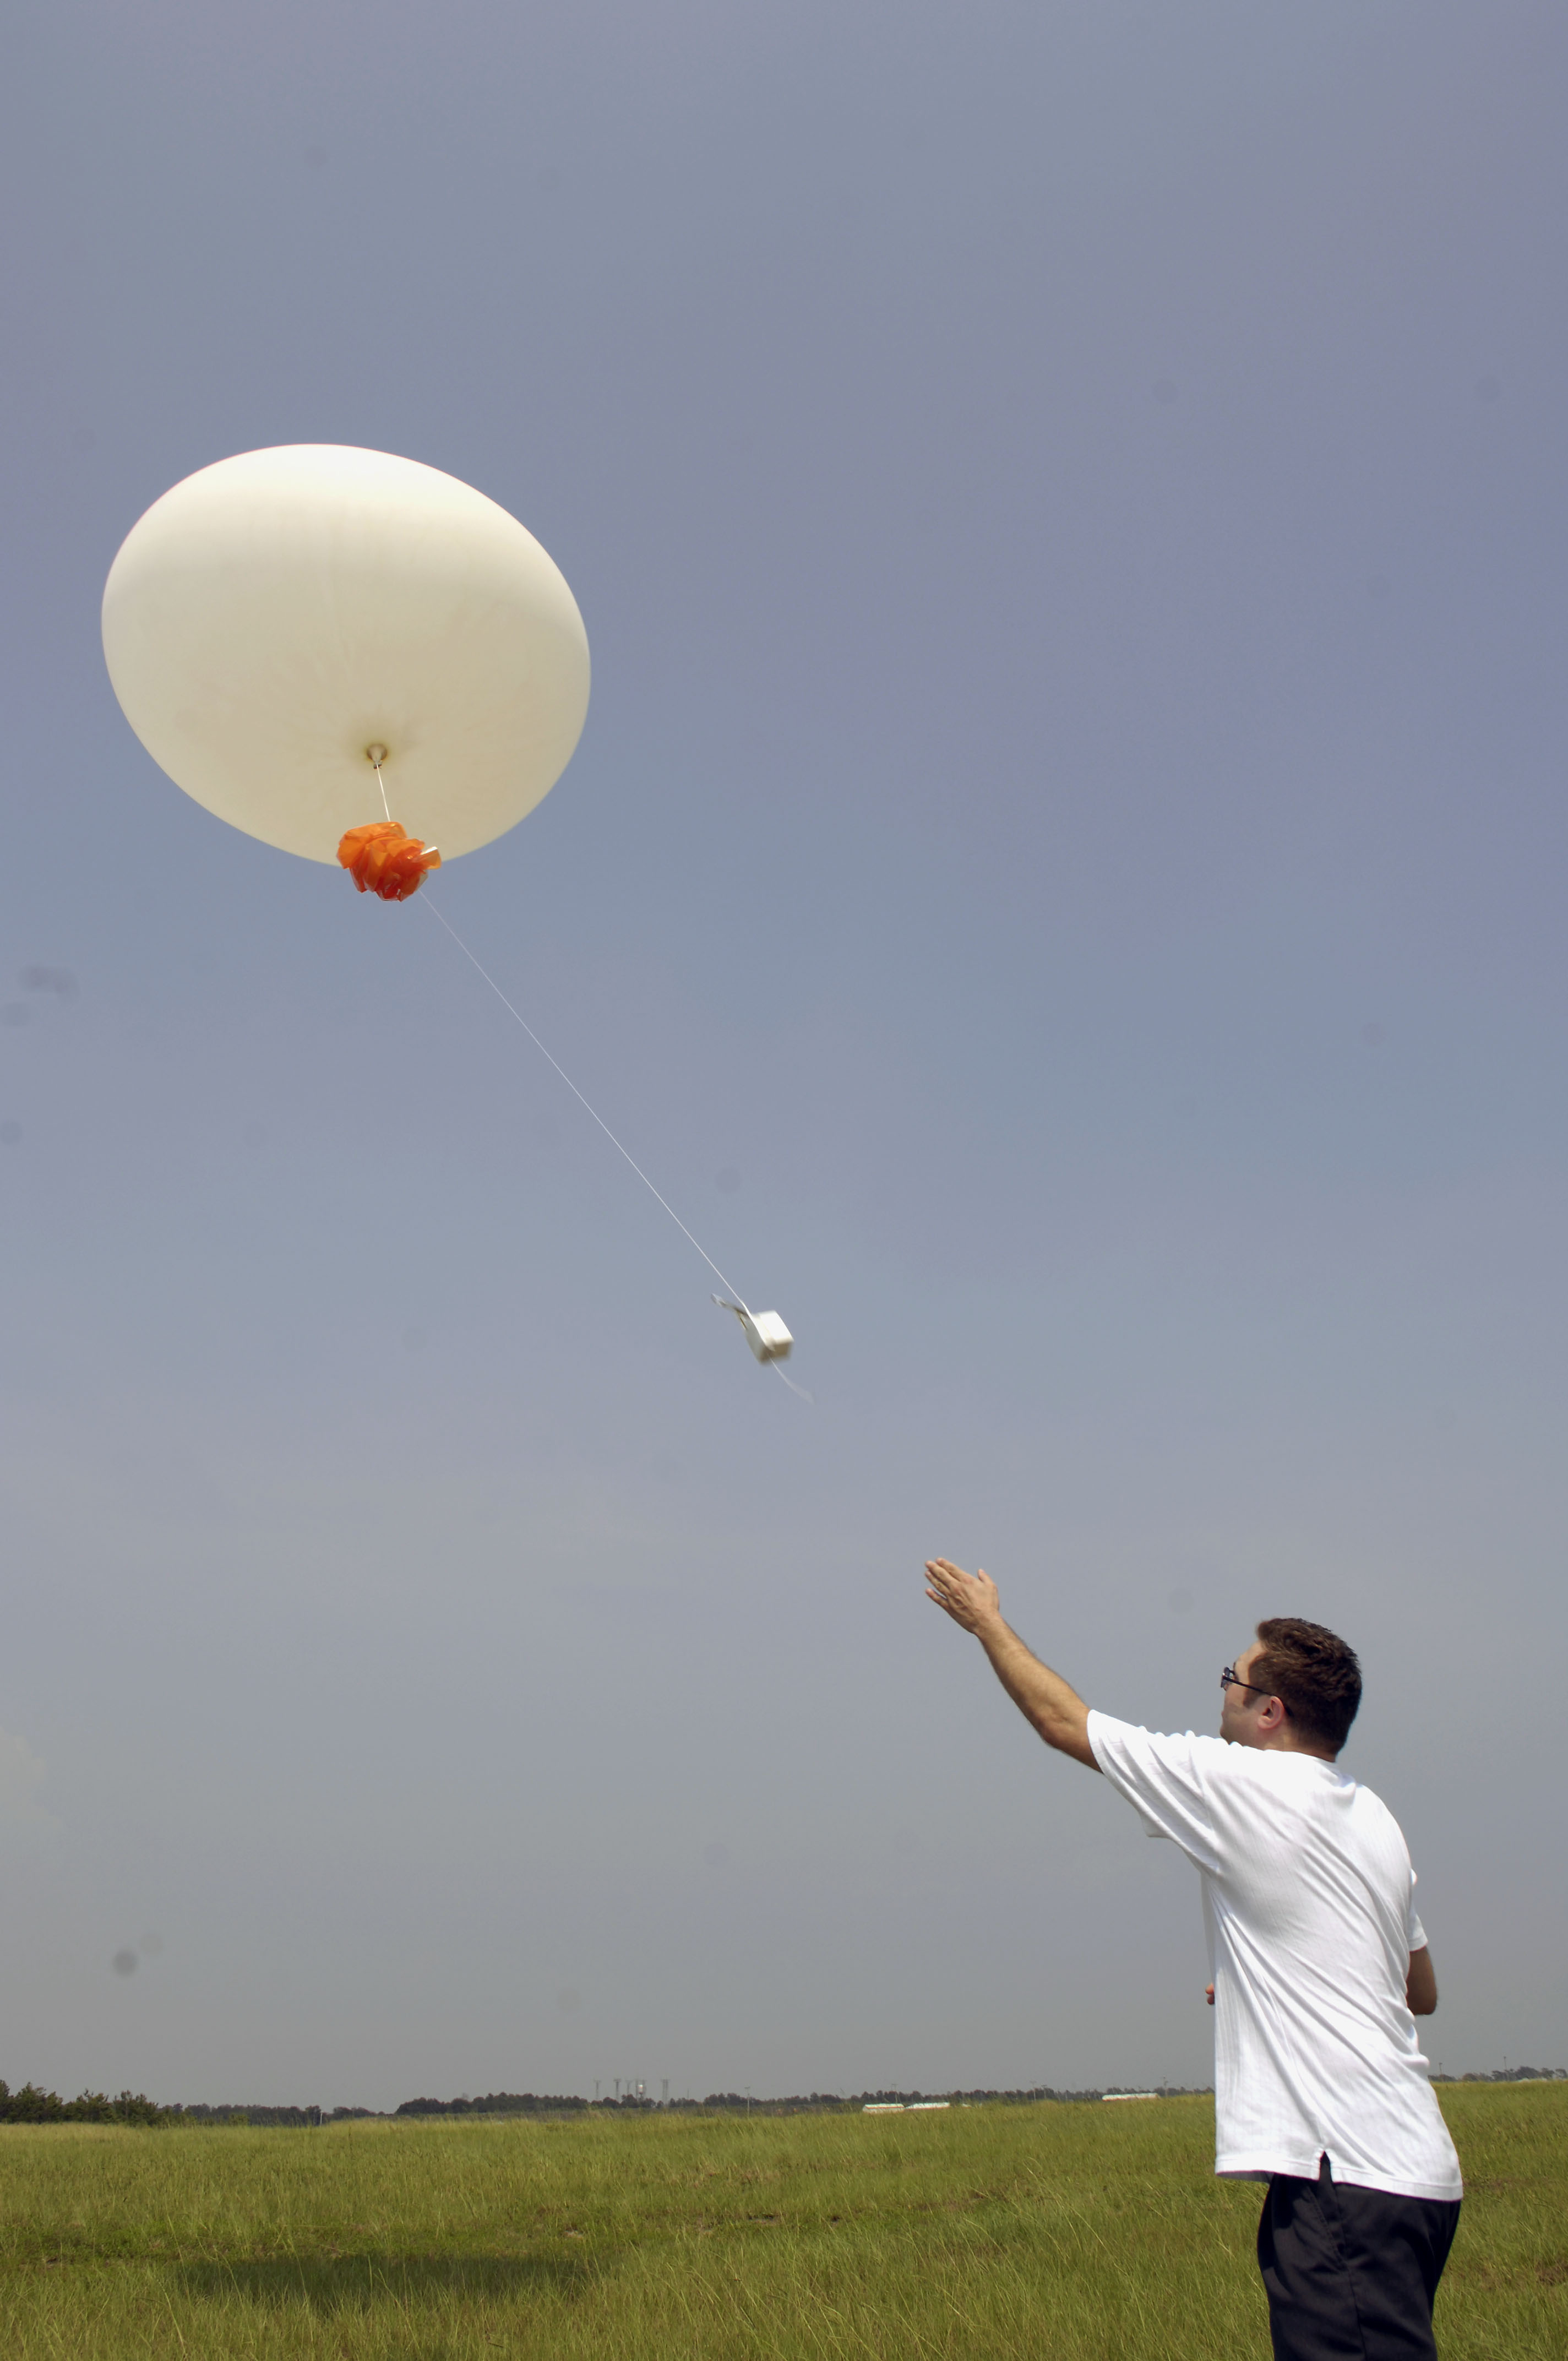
1161, 1777
1416, 1940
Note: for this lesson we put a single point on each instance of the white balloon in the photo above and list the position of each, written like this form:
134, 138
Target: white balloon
276, 614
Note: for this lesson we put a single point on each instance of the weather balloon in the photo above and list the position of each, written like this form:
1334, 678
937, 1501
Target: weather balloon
278, 615
297, 635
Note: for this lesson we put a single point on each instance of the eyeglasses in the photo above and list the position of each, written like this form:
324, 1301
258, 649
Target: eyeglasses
1231, 1679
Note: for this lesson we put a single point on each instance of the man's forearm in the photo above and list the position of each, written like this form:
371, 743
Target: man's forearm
1420, 1985
1042, 1696
1049, 1704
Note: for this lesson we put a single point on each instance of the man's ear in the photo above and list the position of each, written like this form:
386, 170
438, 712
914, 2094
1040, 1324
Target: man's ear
1273, 1713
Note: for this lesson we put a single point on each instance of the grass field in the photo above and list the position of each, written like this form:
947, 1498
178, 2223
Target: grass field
1078, 2233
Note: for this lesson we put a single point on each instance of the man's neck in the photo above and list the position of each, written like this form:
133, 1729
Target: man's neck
1286, 1741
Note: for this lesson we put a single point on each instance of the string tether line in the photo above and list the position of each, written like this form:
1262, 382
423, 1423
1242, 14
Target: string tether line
437, 913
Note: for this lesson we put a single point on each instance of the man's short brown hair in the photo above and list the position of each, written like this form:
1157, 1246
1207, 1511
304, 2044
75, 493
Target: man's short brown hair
1314, 1675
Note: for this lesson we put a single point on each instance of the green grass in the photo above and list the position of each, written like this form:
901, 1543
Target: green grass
1061, 2233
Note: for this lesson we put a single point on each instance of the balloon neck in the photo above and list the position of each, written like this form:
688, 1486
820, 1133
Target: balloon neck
377, 755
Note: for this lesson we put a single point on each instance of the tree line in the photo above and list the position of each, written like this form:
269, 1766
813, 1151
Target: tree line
31, 2104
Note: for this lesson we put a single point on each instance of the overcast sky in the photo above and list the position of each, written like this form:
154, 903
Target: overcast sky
1063, 888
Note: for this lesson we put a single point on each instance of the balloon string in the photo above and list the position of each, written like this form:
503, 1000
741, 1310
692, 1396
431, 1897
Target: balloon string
381, 783
566, 1077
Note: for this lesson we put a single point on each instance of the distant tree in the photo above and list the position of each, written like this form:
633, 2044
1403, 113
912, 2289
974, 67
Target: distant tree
31, 2105
498, 2103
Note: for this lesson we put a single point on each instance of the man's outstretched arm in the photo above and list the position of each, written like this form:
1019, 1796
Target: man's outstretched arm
1042, 1696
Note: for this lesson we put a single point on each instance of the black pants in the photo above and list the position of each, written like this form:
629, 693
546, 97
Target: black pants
1351, 2273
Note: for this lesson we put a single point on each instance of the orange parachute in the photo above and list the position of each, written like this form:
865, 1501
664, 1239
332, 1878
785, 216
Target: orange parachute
381, 859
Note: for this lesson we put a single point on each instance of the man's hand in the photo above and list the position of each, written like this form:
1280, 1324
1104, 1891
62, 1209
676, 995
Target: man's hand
1042, 1696
970, 1599
1209, 1994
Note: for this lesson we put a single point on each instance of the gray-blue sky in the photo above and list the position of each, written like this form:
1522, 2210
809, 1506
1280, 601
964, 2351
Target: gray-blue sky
1069, 509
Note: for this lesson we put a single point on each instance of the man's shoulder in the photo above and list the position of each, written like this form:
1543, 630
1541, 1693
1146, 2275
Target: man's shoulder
1162, 1737
1369, 1812
1167, 1745
1214, 1757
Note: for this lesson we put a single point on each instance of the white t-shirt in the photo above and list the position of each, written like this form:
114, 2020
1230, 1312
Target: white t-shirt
1308, 1901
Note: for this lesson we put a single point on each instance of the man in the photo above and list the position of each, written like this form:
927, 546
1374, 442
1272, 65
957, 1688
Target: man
1320, 1966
